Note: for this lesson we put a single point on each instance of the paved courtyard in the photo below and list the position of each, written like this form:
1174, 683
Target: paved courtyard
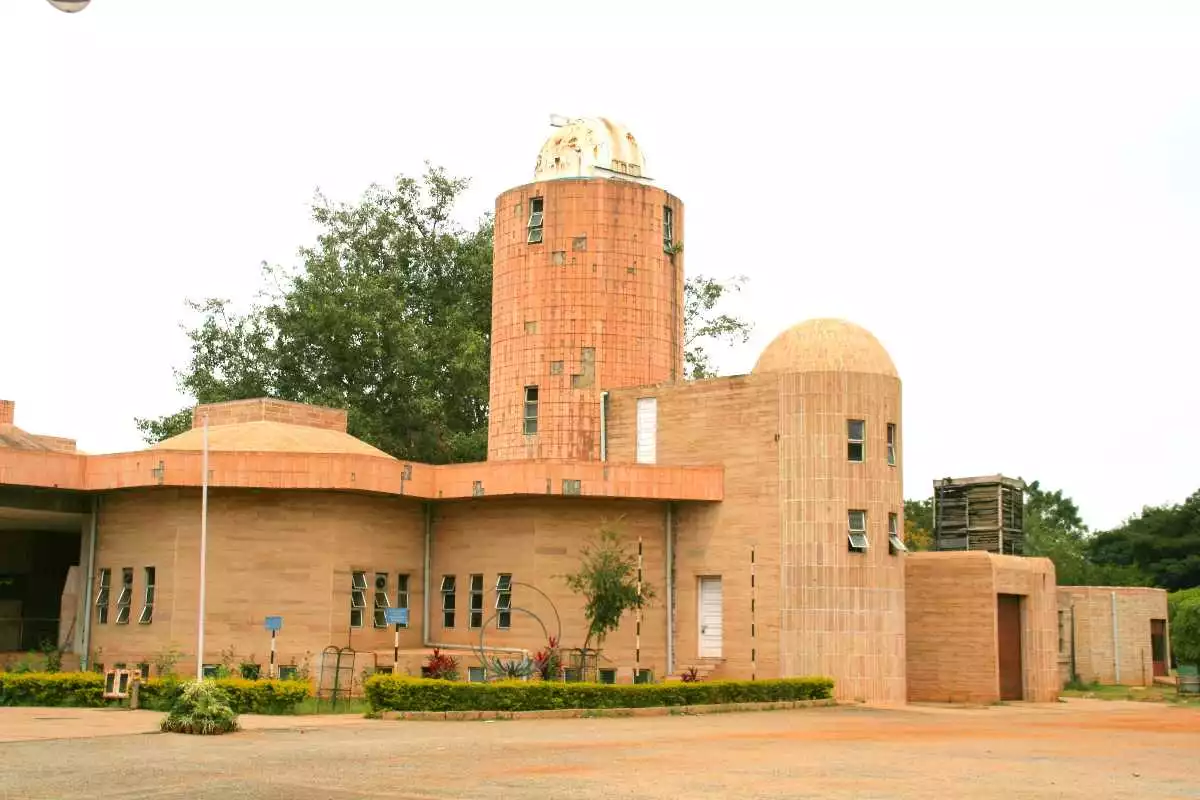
1081, 748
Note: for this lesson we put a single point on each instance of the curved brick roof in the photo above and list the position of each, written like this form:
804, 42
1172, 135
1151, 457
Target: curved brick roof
271, 437
826, 345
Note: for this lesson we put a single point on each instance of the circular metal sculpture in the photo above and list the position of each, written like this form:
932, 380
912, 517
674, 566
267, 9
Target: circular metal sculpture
525, 667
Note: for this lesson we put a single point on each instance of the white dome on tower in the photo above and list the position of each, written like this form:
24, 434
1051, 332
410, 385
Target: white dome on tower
591, 147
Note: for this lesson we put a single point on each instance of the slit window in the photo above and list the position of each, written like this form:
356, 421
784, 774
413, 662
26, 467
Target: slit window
856, 440
125, 598
895, 541
858, 531
358, 598
531, 410
402, 594
535, 221
476, 601
504, 601
147, 615
448, 589
103, 596
891, 444
668, 229
382, 603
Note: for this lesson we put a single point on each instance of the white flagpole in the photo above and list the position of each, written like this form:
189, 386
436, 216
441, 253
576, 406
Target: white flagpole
203, 552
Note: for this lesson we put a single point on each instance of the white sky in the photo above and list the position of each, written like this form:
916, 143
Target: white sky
1008, 198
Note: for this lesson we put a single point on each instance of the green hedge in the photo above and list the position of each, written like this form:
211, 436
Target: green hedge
395, 693
51, 689
87, 689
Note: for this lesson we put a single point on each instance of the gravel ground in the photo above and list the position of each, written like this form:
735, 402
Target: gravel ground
1082, 748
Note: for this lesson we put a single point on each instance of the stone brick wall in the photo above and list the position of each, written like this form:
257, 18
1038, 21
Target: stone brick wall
269, 553
596, 305
732, 422
952, 637
8, 410
1096, 659
270, 410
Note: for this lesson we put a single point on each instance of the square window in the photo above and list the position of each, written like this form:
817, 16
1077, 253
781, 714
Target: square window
503, 583
360, 580
122, 615
608, 676
288, 672
643, 676
856, 440
475, 674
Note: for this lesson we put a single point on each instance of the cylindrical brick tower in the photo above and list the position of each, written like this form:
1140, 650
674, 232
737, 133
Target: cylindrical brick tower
587, 292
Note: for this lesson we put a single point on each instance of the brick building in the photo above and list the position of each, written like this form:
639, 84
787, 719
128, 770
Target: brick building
766, 508
1114, 635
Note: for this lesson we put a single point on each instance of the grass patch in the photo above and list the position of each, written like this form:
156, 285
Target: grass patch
1141, 694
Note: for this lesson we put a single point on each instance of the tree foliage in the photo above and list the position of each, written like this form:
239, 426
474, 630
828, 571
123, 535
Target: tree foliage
1162, 542
388, 316
918, 524
704, 325
1183, 608
607, 581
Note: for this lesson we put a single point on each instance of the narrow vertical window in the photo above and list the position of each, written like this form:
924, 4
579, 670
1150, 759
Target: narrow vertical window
382, 603
668, 229
476, 620
358, 598
535, 221
647, 430
531, 410
125, 598
448, 601
504, 601
858, 531
147, 615
1062, 632
103, 596
891, 444
402, 594
895, 541
856, 440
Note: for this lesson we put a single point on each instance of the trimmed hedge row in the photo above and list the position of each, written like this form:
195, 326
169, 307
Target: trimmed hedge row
87, 689
245, 696
396, 693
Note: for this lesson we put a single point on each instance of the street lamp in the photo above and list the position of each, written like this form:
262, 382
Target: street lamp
69, 6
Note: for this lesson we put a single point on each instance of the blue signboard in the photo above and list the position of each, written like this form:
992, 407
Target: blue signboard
395, 616
274, 623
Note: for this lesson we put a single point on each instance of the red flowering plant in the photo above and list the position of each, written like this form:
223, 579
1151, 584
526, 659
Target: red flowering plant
547, 663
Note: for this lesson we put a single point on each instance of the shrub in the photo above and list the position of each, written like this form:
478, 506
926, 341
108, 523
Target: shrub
441, 666
547, 663
202, 707
245, 696
1184, 612
51, 689
396, 693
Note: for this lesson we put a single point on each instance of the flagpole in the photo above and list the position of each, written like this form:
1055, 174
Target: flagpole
203, 551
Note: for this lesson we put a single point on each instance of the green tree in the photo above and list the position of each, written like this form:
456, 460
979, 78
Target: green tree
1162, 542
1183, 610
918, 524
389, 317
607, 581
704, 325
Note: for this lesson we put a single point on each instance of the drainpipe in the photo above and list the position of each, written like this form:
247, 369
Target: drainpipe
427, 583
88, 598
604, 426
1116, 641
670, 592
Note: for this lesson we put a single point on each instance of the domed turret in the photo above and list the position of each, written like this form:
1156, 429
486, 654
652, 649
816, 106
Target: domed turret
591, 148
826, 345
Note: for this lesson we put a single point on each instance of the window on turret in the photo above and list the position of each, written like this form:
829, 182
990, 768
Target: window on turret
895, 543
856, 440
535, 221
891, 444
858, 531
531, 410
668, 229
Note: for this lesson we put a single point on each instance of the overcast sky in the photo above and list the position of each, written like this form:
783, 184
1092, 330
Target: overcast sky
1008, 198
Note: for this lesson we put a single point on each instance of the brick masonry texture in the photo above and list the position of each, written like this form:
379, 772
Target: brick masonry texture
596, 305
951, 605
267, 409
1096, 659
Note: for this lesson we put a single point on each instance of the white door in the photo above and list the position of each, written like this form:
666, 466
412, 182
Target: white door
710, 617
647, 429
